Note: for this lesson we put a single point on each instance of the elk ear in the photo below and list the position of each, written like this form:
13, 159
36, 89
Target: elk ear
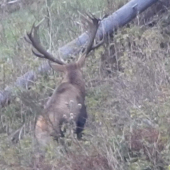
57, 67
81, 61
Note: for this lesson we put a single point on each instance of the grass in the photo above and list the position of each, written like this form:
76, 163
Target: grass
127, 100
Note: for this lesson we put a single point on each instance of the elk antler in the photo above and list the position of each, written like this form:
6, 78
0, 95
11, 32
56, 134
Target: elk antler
93, 23
33, 39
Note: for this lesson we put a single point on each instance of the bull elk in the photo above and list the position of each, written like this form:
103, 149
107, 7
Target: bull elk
67, 102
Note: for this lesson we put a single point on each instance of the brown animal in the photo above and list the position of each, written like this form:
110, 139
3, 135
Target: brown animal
66, 104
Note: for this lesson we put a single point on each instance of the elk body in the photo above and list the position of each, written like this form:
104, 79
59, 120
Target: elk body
66, 104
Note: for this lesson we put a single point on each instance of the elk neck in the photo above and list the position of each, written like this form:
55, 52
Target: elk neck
74, 76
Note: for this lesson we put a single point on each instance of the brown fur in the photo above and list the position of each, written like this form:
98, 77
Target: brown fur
57, 109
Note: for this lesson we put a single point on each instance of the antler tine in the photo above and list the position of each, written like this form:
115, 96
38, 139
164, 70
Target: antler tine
98, 44
27, 40
37, 54
92, 32
91, 16
95, 22
93, 26
33, 38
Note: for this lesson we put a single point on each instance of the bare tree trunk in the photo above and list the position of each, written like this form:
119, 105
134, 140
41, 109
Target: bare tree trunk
108, 25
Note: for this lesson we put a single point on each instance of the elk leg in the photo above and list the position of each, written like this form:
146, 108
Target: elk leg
81, 121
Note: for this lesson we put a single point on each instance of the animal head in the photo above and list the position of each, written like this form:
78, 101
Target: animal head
70, 71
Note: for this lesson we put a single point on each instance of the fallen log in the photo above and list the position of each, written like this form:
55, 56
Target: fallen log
108, 25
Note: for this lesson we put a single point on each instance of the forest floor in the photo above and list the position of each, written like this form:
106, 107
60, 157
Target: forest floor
127, 85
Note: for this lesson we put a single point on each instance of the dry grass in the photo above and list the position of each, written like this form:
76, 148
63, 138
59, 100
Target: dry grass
127, 95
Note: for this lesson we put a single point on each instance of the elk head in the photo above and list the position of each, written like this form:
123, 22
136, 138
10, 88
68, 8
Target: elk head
67, 102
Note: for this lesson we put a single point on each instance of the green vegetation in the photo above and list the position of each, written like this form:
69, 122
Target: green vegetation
128, 92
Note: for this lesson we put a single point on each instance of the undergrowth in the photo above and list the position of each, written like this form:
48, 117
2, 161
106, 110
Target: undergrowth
127, 84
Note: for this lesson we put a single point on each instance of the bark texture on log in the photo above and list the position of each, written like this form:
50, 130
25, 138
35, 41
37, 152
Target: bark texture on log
108, 25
